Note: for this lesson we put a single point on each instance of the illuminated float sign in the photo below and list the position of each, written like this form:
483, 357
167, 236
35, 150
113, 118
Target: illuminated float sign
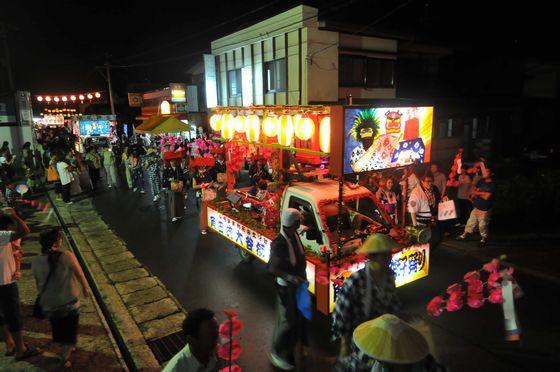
94, 127
377, 138
242, 236
411, 264
178, 93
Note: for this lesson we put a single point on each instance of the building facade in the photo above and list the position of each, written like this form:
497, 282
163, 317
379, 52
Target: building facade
291, 59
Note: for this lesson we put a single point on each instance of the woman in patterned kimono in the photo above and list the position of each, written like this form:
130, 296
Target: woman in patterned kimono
174, 176
153, 167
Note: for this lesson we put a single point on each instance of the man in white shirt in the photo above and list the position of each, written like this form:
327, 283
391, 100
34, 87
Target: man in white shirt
12, 228
199, 355
422, 206
65, 173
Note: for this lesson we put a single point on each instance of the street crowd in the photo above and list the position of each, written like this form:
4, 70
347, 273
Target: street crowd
368, 318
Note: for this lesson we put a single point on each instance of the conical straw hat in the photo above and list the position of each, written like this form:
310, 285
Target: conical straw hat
389, 339
378, 243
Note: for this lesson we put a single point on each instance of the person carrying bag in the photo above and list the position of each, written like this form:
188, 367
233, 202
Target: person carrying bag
58, 276
38, 311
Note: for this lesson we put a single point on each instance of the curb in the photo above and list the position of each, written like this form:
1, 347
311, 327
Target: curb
123, 287
454, 247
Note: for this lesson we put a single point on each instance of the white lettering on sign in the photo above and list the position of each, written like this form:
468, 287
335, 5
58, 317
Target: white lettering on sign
239, 234
411, 264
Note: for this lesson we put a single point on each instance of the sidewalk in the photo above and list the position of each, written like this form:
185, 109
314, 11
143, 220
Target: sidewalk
138, 305
95, 345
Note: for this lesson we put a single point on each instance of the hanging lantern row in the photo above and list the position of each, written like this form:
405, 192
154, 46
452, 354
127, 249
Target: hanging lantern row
66, 98
57, 110
284, 127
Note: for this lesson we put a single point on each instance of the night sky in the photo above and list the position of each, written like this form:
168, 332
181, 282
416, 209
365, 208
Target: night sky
55, 45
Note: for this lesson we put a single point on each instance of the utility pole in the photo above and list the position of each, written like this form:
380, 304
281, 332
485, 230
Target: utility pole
7, 61
108, 69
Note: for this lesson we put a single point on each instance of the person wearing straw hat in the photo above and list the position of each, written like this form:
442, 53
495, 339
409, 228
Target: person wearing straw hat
366, 294
287, 263
388, 344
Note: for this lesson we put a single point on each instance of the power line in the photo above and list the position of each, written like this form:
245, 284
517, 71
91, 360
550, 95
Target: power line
386, 15
191, 36
176, 58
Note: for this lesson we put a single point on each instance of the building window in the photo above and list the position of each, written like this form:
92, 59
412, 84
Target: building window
235, 86
275, 75
360, 71
351, 71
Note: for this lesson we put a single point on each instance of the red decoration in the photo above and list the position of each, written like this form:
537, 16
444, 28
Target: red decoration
493, 279
226, 330
455, 301
473, 275
496, 296
475, 300
233, 368
435, 307
230, 350
224, 351
475, 286
492, 266
476, 289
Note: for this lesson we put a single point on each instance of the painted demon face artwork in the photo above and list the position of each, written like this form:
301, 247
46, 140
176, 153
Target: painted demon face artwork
393, 122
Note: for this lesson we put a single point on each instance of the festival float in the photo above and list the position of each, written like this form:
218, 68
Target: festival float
314, 153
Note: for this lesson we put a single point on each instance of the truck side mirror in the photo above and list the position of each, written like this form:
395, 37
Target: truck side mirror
314, 234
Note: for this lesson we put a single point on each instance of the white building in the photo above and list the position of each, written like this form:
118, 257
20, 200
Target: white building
291, 59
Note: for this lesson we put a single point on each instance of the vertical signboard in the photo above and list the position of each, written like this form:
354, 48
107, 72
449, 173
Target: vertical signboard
210, 81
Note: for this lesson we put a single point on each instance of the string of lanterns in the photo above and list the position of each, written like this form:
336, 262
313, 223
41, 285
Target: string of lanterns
67, 98
281, 124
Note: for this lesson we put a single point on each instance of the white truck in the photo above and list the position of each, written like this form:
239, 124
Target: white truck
327, 265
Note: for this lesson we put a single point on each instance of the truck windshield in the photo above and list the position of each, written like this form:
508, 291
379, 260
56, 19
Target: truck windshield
367, 206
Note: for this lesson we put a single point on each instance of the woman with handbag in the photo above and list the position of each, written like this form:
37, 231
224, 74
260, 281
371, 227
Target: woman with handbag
57, 274
202, 183
174, 179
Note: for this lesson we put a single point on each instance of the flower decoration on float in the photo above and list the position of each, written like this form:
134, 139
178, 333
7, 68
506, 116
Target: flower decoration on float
252, 128
270, 125
216, 122
228, 128
325, 134
239, 123
285, 130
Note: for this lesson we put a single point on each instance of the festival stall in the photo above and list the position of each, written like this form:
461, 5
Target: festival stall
312, 150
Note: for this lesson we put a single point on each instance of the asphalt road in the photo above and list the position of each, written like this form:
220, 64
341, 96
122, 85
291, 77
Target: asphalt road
206, 271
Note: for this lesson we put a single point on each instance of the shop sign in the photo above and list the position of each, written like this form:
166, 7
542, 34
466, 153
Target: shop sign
411, 264
178, 93
239, 234
181, 107
135, 99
